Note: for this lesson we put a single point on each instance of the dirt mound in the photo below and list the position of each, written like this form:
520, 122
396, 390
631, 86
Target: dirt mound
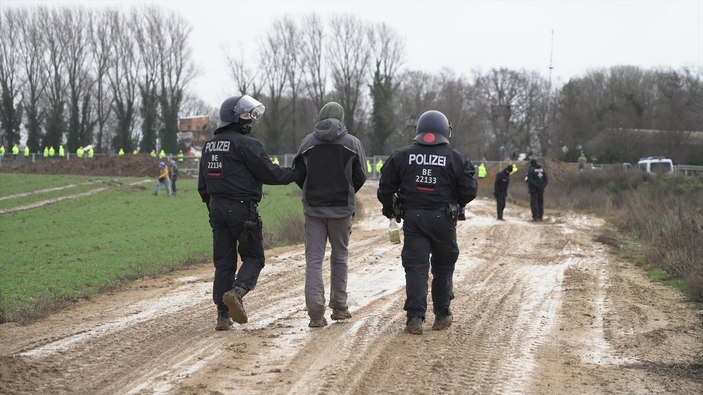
130, 165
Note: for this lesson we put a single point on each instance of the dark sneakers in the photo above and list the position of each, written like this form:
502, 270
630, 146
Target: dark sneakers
223, 321
318, 323
233, 300
414, 326
339, 315
442, 322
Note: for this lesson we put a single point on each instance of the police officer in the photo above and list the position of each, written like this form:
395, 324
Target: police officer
536, 183
500, 189
433, 183
233, 168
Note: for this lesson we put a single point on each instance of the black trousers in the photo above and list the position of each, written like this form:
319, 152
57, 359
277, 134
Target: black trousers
537, 204
236, 228
429, 241
173, 185
500, 204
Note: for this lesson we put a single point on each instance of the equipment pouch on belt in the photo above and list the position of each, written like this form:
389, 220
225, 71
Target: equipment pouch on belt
452, 212
254, 228
397, 209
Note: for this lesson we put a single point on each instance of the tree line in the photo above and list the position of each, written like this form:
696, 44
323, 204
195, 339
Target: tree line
121, 80
101, 77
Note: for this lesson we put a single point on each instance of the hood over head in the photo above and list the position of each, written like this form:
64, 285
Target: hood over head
331, 110
329, 130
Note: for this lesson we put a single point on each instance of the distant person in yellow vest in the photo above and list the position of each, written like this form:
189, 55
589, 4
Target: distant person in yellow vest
482, 170
275, 161
369, 169
62, 152
379, 165
52, 151
162, 154
2, 150
180, 155
26, 151
136, 151
15, 150
91, 153
120, 153
153, 153
80, 152
46, 152
514, 169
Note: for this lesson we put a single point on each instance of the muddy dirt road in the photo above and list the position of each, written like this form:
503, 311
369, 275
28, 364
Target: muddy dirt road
539, 309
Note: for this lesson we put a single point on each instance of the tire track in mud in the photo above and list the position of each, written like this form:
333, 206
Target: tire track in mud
61, 198
45, 190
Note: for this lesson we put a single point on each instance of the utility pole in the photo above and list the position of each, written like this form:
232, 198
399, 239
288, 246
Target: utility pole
551, 57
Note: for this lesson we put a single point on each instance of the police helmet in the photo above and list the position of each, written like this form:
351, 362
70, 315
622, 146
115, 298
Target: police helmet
236, 106
162, 164
433, 128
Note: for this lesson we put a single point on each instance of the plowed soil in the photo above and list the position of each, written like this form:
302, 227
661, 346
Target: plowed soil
540, 308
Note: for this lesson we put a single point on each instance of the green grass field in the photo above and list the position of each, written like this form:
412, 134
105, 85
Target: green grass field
78, 247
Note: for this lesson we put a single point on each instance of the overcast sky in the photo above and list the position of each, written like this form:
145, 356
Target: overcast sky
460, 35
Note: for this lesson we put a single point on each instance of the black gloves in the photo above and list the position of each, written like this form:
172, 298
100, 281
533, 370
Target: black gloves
461, 216
388, 212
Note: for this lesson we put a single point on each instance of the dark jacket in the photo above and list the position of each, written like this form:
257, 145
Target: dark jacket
330, 161
234, 166
537, 178
427, 177
502, 182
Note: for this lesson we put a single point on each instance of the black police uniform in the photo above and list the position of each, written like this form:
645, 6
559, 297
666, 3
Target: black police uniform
233, 168
429, 180
500, 190
537, 181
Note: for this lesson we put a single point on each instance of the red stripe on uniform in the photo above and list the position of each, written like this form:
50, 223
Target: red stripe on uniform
424, 189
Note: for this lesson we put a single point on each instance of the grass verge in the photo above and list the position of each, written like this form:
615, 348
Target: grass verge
56, 254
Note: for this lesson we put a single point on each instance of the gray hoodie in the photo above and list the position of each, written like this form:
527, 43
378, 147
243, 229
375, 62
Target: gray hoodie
332, 161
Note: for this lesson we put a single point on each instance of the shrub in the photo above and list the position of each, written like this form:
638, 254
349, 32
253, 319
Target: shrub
664, 213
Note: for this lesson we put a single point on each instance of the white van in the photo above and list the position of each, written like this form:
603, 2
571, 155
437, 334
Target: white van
656, 165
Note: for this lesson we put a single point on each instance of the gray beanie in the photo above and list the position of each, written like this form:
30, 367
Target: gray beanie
332, 110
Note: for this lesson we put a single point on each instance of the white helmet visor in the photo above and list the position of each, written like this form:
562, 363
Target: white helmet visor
248, 104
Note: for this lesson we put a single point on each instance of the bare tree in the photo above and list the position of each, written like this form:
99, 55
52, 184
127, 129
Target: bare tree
417, 93
100, 47
53, 30
193, 105
292, 44
388, 52
176, 70
457, 100
123, 80
312, 59
147, 29
507, 94
274, 64
74, 26
10, 77
349, 54
32, 51
248, 82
